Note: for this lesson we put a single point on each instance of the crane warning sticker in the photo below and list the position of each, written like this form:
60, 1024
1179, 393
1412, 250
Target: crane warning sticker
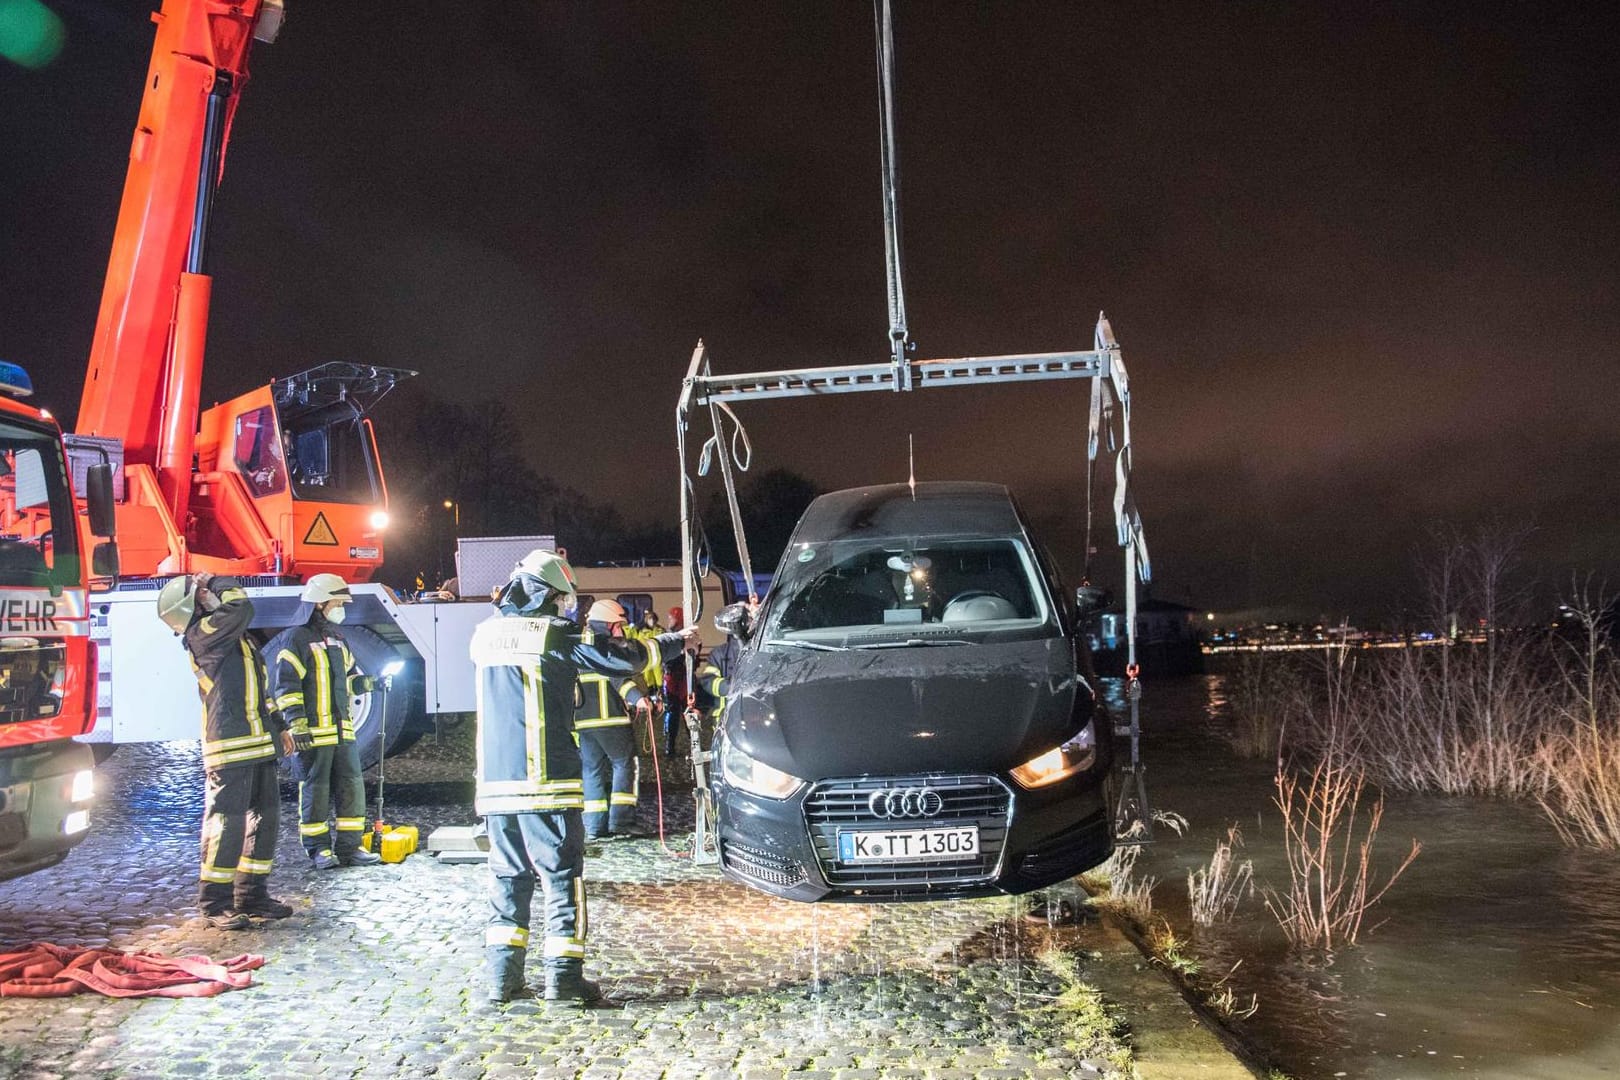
320, 532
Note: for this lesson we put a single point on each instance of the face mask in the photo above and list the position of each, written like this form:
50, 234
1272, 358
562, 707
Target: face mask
334, 614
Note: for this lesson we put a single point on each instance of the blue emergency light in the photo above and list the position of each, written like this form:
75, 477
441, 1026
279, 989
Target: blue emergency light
15, 381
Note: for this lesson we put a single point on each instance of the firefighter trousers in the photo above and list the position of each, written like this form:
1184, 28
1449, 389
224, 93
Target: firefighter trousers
241, 812
543, 846
331, 774
608, 755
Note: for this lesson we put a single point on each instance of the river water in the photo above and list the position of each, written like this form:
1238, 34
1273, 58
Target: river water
1497, 954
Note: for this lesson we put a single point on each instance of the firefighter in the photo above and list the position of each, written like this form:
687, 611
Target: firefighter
649, 626
607, 744
529, 791
315, 676
714, 673
239, 729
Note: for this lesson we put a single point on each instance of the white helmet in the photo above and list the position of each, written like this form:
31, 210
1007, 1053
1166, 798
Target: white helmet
323, 587
606, 611
177, 601
550, 568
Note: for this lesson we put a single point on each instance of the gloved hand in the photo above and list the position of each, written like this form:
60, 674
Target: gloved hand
299, 738
690, 638
365, 684
202, 578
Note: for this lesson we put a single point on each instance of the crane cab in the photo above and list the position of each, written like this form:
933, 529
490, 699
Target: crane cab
288, 474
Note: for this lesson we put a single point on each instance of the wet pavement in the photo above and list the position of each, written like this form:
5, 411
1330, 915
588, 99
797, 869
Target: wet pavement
374, 976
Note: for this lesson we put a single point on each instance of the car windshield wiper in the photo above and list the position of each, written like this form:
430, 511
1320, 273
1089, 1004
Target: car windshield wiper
799, 643
911, 643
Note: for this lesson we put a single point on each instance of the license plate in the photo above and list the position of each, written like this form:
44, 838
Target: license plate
907, 845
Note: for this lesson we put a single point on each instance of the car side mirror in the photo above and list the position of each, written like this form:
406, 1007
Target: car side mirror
1090, 599
734, 619
104, 559
98, 481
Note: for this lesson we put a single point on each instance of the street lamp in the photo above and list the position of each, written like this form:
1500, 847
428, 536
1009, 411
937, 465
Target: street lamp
455, 511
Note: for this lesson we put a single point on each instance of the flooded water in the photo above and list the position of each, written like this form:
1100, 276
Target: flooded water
1496, 955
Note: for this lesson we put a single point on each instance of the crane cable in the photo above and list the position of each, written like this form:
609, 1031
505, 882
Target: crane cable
900, 344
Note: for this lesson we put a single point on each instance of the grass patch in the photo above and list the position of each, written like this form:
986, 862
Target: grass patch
1088, 1025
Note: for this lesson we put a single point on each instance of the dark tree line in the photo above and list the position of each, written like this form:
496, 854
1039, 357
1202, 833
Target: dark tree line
436, 452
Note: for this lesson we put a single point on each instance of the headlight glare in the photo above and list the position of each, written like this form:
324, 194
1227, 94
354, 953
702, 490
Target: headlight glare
754, 776
1060, 762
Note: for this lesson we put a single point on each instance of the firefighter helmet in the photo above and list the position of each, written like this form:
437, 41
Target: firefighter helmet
606, 611
551, 569
323, 587
177, 602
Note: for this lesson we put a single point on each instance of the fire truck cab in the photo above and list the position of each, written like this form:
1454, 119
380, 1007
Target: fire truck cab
47, 660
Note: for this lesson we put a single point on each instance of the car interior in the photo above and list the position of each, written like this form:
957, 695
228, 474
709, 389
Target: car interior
960, 582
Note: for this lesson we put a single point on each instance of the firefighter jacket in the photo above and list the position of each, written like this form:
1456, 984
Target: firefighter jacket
239, 726
527, 670
713, 673
603, 700
314, 679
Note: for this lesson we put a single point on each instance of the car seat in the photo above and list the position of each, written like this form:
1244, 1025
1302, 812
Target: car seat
978, 605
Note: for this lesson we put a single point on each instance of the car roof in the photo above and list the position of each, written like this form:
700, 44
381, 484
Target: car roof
934, 508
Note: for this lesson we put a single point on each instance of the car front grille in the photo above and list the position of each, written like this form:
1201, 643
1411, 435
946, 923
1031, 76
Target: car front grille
978, 800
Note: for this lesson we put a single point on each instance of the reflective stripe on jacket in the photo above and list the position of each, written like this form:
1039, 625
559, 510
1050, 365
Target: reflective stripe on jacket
604, 701
527, 670
314, 678
238, 726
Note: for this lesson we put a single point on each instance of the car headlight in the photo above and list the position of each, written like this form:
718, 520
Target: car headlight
1060, 762
753, 775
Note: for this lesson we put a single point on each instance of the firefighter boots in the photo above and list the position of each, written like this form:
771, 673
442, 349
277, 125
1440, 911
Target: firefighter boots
359, 857
214, 905
566, 981
324, 860
256, 901
503, 974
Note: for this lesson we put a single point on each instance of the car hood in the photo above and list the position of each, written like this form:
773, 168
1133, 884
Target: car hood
976, 708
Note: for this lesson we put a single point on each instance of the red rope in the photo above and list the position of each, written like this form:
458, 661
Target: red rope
658, 784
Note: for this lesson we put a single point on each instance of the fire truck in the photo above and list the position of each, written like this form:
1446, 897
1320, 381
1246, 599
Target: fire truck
47, 660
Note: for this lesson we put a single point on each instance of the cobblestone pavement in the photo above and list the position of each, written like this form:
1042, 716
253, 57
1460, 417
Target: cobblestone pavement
374, 976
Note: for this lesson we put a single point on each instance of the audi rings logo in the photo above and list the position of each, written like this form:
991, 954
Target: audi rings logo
911, 802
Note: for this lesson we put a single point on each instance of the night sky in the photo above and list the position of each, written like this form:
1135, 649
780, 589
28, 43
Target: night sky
1362, 259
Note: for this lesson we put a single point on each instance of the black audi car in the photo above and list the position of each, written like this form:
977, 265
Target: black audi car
912, 715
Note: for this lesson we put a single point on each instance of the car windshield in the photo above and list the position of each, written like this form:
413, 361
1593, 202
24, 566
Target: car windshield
39, 544
927, 590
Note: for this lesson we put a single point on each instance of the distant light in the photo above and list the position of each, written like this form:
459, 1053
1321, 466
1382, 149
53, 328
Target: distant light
392, 668
84, 786
449, 504
1210, 616
76, 823
31, 34
379, 519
